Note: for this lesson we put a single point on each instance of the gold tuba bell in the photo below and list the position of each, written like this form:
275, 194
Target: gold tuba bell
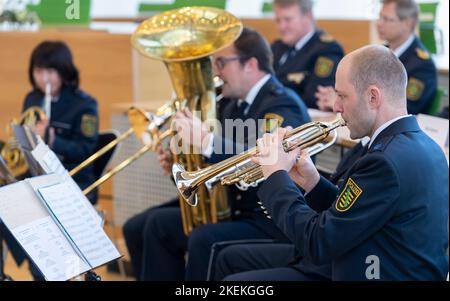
184, 39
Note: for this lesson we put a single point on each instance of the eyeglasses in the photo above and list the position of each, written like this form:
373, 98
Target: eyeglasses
220, 62
385, 19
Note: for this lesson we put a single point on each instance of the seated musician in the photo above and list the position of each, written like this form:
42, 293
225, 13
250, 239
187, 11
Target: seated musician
155, 238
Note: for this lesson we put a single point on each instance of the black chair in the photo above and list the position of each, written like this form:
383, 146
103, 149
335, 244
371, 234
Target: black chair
101, 163
100, 166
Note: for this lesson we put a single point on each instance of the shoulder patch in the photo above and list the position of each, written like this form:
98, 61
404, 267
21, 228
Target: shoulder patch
326, 38
297, 77
423, 54
271, 122
414, 89
348, 196
88, 125
323, 66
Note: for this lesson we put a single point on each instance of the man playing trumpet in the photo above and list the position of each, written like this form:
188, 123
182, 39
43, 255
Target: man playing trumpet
388, 219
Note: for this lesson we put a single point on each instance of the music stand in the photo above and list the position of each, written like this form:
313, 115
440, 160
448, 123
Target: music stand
7, 177
28, 141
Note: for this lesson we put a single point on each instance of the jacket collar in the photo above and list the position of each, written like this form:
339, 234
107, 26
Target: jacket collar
407, 124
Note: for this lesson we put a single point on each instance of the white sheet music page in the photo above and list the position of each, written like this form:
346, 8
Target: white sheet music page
36, 231
47, 159
51, 164
64, 201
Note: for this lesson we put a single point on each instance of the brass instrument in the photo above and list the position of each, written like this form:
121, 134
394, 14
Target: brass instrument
143, 129
6, 176
145, 126
11, 152
240, 168
184, 39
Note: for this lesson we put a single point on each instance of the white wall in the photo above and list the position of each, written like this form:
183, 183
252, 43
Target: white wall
323, 9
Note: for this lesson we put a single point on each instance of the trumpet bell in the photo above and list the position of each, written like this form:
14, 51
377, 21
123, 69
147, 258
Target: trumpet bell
184, 185
186, 33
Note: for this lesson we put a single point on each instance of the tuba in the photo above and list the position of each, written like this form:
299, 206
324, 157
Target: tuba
184, 39
241, 170
11, 152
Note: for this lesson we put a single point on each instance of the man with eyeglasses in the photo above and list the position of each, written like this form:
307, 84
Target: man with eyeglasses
155, 238
305, 58
396, 24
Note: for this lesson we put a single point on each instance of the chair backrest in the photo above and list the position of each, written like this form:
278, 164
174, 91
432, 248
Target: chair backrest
104, 138
435, 106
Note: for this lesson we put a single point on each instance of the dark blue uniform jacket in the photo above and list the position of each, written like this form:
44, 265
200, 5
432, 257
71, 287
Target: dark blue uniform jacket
75, 120
315, 64
273, 100
393, 204
422, 77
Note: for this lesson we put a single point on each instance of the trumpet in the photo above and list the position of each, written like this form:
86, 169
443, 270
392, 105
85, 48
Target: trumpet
241, 170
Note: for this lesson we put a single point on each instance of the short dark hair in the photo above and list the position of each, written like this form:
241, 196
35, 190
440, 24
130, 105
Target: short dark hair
55, 55
252, 44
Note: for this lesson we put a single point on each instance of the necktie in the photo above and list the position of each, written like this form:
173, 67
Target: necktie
287, 55
241, 109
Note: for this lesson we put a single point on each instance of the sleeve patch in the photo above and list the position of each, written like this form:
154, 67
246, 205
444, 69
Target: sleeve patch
415, 89
348, 196
324, 66
88, 125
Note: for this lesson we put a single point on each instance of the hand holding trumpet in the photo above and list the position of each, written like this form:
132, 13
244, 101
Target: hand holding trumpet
272, 157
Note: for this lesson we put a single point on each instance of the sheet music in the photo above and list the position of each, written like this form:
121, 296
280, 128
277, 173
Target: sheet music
48, 159
64, 201
51, 164
50, 250
33, 227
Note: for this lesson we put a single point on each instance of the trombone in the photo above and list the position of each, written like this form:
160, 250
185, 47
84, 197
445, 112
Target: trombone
145, 126
241, 170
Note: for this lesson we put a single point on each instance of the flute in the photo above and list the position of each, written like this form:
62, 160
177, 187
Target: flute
48, 100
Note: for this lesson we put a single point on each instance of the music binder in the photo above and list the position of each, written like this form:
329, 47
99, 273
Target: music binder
55, 227
52, 219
